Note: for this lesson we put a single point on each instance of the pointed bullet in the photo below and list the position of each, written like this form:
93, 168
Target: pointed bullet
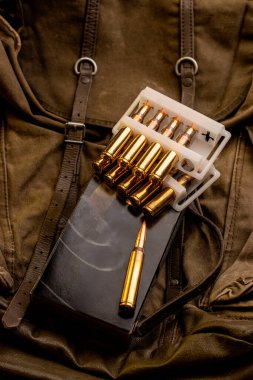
133, 275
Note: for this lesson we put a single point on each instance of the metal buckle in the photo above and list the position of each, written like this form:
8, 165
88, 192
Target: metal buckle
190, 59
85, 59
70, 125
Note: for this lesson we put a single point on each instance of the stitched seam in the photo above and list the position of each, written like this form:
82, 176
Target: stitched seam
187, 48
191, 28
90, 28
236, 318
237, 191
231, 316
10, 258
183, 28
231, 227
223, 316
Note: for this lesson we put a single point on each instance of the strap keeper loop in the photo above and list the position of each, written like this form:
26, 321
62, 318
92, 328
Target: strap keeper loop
74, 127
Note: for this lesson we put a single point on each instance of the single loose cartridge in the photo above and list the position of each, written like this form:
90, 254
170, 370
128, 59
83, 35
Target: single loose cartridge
133, 275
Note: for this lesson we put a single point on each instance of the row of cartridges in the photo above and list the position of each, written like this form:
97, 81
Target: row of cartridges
138, 169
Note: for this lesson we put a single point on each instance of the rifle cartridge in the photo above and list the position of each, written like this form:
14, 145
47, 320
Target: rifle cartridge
139, 141
143, 194
114, 176
186, 137
170, 158
113, 149
155, 122
171, 128
128, 185
133, 275
118, 142
164, 198
142, 112
135, 147
145, 163
101, 165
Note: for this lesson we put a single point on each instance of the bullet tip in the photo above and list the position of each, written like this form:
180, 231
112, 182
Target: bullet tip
141, 237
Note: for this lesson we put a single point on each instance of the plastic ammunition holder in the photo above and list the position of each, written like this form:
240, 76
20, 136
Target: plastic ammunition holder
208, 142
96, 247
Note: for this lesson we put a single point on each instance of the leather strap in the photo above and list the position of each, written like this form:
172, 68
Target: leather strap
67, 184
85, 77
188, 293
174, 264
187, 67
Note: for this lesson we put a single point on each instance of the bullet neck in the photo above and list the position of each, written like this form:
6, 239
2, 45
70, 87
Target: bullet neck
170, 130
184, 180
142, 112
187, 136
155, 122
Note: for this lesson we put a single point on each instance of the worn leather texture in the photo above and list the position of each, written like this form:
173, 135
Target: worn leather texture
65, 194
138, 45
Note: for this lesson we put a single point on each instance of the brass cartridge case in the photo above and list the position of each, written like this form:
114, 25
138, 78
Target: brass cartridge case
145, 163
113, 149
142, 167
171, 128
128, 185
142, 195
155, 122
159, 202
115, 175
133, 275
164, 198
101, 165
117, 143
184, 180
142, 112
164, 166
127, 158
170, 158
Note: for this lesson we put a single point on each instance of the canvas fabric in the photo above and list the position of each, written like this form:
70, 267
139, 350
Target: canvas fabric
138, 44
